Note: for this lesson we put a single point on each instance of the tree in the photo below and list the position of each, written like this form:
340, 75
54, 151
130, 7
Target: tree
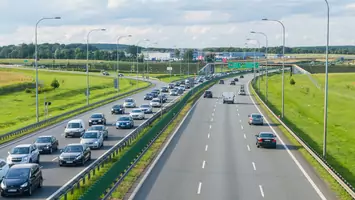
292, 82
188, 55
177, 53
55, 84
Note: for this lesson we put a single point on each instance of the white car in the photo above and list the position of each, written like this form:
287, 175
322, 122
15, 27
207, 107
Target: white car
129, 103
137, 114
4, 167
183, 87
23, 153
93, 139
155, 102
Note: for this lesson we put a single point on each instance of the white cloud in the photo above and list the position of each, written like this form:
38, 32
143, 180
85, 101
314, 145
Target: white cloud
184, 23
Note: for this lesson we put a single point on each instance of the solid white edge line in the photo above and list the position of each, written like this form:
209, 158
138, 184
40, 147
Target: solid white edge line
248, 147
261, 191
199, 188
315, 187
203, 164
254, 167
206, 148
135, 191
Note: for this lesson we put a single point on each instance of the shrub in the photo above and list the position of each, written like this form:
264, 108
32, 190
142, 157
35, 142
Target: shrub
292, 81
28, 90
55, 83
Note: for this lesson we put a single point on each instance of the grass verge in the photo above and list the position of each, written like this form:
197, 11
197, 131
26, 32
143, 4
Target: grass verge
150, 154
330, 181
13, 137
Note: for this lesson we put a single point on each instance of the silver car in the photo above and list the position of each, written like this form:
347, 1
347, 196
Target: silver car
93, 139
102, 128
129, 103
155, 102
255, 119
173, 92
23, 153
146, 108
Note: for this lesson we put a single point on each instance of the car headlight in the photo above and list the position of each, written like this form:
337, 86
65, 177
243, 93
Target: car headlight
24, 158
8, 158
111, 109
78, 157
96, 142
24, 185
89, 120
60, 157
99, 120
3, 186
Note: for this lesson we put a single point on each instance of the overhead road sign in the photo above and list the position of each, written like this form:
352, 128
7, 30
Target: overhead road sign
237, 65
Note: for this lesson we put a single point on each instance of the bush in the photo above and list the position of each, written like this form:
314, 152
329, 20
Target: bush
28, 90
55, 83
292, 81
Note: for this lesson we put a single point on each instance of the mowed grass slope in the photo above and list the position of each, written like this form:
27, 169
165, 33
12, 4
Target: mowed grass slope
304, 113
9, 78
18, 108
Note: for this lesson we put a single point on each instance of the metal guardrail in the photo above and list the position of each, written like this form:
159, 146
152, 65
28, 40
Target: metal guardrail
85, 175
48, 121
337, 176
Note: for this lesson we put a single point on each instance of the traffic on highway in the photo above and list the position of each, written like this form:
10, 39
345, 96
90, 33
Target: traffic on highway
59, 152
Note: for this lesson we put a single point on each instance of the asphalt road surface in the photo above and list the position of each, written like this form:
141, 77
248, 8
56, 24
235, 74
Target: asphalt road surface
55, 176
213, 156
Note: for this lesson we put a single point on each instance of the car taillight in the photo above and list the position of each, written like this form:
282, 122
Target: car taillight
250, 118
260, 140
274, 140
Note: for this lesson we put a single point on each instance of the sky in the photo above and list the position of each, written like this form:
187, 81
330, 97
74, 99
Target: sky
178, 23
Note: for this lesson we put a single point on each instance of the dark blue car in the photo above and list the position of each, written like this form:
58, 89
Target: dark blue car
148, 96
125, 122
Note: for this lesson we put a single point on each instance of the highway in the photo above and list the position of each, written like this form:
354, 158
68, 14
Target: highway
213, 156
55, 176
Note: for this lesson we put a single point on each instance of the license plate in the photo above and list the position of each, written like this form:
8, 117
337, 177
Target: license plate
40, 150
12, 190
94, 122
69, 162
71, 133
267, 140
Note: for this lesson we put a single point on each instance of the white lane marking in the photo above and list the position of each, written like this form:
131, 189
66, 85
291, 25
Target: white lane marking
254, 166
211, 119
236, 106
212, 114
206, 148
203, 164
237, 110
248, 147
315, 187
241, 126
208, 136
54, 158
245, 136
214, 110
261, 191
210, 126
238, 114
40, 167
240, 121
199, 188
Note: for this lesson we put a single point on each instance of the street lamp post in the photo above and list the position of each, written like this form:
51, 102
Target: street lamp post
36, 62
326, 87
255, 57
118, 59
87, 63
148, 46
266, 52
283, 63
144, 40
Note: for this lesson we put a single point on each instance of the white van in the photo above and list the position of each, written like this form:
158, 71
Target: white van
75, 128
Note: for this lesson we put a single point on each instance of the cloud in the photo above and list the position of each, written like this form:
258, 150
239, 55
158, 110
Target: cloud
184, 23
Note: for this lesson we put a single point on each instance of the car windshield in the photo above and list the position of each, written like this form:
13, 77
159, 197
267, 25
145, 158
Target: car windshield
96, 116
18, 173
148, 94
156, 100
256, 116
136, 111
73, 149
90, 135
266, 135
129, 100
124, 119
43, 140
117, 106
20, 150
73, 125
208, 92
96, 128
144, 106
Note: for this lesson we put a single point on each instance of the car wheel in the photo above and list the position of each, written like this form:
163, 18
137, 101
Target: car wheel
37, 161
30, 161
258, 146
65, 136
59, 164
29, 193
82, 161
51, 150
3, 194
89, 157
40, 183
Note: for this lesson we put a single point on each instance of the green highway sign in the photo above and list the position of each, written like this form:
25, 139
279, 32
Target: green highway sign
237, 65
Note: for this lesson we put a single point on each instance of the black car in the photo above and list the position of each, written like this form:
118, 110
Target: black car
208, 94
117, 109
74, 154
154, 94
171, 85
265, 139
97, 118
105, 73
232, 83
163, 98
148, 96
47, 144
164, 89
241, 76
221, 81
22, 179
236, 79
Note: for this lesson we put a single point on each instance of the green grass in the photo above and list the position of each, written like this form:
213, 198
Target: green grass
20, 106
304, 115
147, 158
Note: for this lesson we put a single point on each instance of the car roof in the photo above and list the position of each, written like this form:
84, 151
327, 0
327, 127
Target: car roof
89, 131
97, 125
97, 114
255, 114
26, 165
24, 145
44, 136
156, 99
136, 109
76, 121
74, 144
